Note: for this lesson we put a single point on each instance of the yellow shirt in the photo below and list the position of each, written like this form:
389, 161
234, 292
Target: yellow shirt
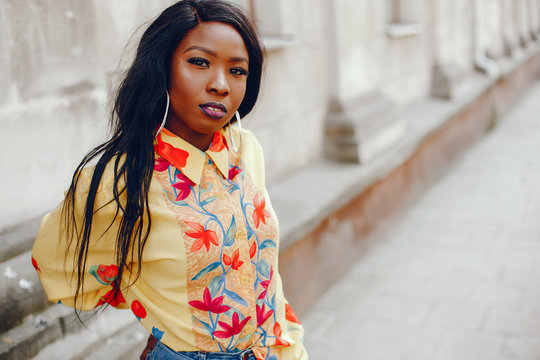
209, 276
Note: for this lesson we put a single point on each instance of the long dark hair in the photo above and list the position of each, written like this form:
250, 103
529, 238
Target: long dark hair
137, 113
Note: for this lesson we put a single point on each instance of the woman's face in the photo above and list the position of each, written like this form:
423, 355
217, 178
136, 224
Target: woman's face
209, 72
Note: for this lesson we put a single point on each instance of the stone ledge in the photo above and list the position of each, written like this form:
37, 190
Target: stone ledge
101, 332
18, 239
20, 291
35, 332
57, 334
302, 203
327, 211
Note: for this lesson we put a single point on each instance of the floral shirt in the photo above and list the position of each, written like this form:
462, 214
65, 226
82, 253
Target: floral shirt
209, 276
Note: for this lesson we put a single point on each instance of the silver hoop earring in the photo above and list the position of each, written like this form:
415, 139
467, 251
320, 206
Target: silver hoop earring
233, 144
166, 113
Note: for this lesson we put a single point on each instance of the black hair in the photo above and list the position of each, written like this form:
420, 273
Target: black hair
136, 115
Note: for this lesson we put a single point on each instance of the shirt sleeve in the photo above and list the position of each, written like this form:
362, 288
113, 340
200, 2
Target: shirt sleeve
53, 253
292, 331
253, 158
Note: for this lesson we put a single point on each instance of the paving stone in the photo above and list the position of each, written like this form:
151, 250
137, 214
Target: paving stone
514, 323
470, 346
452, 315
521, 348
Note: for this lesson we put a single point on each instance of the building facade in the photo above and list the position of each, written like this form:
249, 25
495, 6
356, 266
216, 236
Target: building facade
337, 74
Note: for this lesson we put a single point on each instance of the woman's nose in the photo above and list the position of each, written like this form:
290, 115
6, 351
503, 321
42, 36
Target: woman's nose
218, 83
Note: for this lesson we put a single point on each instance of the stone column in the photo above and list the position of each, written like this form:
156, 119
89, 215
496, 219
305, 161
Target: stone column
510, 33
362, 122
534, 18
481, 40
6, 93
523, 22
494, 29
452, 46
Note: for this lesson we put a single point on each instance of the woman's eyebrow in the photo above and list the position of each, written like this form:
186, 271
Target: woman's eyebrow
201, 48
239, 59
213, 53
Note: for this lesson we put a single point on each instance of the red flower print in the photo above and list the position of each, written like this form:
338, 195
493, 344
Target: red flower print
277, 332
112, 300
261, 316
35, 265
218, 142
104, 274
235, 328
109, 272
234, 262
253, 250
290, 315
235, 170
260, 213
266, 283
209, 304
204, 237
177, 157
183, 186
138, 310
161, 164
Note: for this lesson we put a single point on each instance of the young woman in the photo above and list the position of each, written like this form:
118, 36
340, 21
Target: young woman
173, 220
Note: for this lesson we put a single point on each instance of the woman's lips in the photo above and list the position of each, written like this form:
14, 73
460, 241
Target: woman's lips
214, 110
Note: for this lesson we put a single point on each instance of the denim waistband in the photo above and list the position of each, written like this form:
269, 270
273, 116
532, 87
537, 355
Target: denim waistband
163, 352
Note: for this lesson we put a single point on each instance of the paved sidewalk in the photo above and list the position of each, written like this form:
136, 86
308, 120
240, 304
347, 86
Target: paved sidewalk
457, 276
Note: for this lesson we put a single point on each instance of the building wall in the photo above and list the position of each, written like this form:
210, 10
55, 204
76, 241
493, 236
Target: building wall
60, 59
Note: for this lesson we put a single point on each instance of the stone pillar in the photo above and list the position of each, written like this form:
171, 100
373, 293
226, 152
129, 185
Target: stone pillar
6, 93
510, 33
482, 62
523, 22
362, 123
494, 36
452, 47
534, 19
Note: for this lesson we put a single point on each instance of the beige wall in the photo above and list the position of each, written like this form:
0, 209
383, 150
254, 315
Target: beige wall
58, 58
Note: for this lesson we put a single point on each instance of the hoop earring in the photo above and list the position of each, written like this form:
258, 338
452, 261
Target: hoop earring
166, 113
233, 144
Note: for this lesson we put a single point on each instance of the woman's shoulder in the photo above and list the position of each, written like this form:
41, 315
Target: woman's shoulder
106, 181
251, 146
253, 157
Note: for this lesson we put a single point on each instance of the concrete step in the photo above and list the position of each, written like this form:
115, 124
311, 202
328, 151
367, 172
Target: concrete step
126, 344
18, 239
110, 334
56, 333
35, 332
21, 293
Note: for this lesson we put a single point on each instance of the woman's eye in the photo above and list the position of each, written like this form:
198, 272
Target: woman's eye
199, 62
239, 71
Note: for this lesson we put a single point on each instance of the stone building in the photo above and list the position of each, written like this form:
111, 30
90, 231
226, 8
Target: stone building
364, 103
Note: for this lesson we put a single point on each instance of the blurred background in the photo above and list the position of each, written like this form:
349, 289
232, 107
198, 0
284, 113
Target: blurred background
365, 103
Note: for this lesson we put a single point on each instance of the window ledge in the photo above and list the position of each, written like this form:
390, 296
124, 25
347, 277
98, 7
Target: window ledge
401, 30
277, 42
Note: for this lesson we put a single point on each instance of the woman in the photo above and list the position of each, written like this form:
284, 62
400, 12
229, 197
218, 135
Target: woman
173, 221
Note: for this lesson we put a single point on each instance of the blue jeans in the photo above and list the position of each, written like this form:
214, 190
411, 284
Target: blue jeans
163, 352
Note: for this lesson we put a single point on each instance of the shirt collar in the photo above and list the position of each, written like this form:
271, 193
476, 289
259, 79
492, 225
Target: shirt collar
189, 159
